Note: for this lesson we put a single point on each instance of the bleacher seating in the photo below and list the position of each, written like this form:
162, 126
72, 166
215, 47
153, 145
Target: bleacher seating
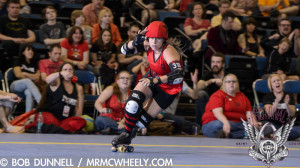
38, 6
65, 9
36, 19
163, 14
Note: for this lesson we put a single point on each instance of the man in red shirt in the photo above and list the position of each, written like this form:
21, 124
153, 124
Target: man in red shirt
48, 66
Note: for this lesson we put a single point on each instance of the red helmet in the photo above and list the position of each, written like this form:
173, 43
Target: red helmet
157, 29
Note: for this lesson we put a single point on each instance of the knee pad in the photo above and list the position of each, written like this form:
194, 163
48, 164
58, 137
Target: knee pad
135, 102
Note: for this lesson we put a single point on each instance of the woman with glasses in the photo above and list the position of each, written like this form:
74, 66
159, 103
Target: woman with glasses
111, 105
224, 110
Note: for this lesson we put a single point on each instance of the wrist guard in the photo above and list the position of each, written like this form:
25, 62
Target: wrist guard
125, 50
138, 40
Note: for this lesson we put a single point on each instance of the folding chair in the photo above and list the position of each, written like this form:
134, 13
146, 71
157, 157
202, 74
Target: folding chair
260, 86
2, 82
87, 77
9, 77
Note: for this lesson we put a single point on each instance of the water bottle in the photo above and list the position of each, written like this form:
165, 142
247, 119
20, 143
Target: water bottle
40, 122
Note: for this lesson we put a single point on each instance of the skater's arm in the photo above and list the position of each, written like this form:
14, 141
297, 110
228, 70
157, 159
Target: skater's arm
105, 95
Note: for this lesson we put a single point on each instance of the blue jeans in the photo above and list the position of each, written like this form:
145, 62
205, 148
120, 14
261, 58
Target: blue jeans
29, 89
200, 105
103, 122
236, 129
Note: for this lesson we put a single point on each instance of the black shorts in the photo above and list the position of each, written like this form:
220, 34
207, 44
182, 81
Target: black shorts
163, 99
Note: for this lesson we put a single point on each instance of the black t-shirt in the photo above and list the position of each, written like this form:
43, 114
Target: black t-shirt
107, 75
16, 29
275, 62
280, 117
26, 67
158, 4
212, 88
100, 51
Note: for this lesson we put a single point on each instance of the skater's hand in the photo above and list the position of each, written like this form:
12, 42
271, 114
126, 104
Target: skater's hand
145, 81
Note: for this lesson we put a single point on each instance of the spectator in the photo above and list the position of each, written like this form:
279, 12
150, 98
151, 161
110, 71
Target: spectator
7, 101
105, 22
52, 32
108, 69
196, 26
249, 41
224, 6
75, 49
102, 45
243, 7
113, 98
284, 30
278, 103
3, 6
141, 69
268, 8
183, 5
153, 6
11, 37
210, 83
224, 110
27, 72
128, 62
223, 38
78, 19
279, 62
62, 103
91, 11
49, 66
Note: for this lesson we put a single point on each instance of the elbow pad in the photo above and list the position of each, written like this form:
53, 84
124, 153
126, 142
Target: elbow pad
125, 50
176, 74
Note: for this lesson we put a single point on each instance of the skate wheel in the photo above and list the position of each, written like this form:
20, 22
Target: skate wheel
130, 149
121, 148
114, 149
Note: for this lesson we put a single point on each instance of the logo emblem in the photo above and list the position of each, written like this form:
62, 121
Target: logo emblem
269, 150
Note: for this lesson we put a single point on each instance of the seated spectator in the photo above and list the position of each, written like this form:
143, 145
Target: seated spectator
249, 41
7, 101
153, 6
284, 30
49, 66
11, 38
3, 6
224, 6
196, 26
141, 69
183, 5
243, 7
27, 74
111, 105
62, 102
52, 32
274, 8
105, 22
279, 62
102, 45
278, 103
108, 69
128, 62
91, 11
210, 83
224, 110
75, 50
223, 38
78, 19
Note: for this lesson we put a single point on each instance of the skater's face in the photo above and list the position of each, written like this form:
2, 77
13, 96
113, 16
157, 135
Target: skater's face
124, 80
156, 43
276, 83
217, 64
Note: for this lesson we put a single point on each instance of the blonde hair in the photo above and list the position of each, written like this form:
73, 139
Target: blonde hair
103, 12
269, 81
75, 14
224, 79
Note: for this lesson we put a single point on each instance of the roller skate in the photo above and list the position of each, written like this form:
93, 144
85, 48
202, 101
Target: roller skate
121, 143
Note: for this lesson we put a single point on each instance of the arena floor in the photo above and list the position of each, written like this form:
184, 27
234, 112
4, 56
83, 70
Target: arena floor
53, 150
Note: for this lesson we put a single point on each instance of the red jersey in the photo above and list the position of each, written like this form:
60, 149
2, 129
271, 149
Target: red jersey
234, 108
118, 108
160, 68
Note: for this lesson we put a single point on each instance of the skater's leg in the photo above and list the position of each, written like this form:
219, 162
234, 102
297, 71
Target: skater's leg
152, 112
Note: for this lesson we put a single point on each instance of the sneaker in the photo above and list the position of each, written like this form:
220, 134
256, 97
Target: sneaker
106, 131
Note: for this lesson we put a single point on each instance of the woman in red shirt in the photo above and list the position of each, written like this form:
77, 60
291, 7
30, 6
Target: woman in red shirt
224, 110
111, 105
